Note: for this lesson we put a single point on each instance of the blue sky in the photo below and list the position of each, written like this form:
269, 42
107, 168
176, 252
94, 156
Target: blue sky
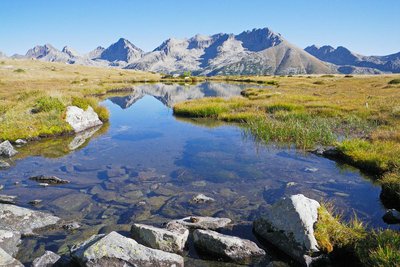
364, 26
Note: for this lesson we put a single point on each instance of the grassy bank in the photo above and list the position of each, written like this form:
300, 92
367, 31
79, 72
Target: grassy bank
34, 94
358, 115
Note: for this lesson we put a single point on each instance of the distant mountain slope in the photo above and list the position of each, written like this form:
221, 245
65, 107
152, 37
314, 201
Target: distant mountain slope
260, 51
2, 55
122, 50
344, 57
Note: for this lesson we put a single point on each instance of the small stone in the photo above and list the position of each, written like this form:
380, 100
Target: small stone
44, 184
16, 183
20, 142
289, 184
391, 216
1, 186
201, 198
71, 226
310, 170
35, 202
48, 179
197, 222
229, 248
7, 150
6, 199
48, 259
80, 119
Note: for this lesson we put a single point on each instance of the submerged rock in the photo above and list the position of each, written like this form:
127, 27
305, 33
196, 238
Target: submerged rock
201, 198
172, 239
310, 169
7, 260
289, 225
48, 179
71, 226
7, 150
391, 216
4, 165
228, 248
9, 241
116, 250
80, 119
206, 223
48, 259
6, 199
35, 202
23, 220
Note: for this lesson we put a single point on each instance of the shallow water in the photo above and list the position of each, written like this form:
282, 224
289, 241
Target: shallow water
146, 166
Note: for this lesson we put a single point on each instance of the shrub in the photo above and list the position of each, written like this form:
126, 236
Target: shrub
348, 76
19, 71
328, 76
318, 82
395, 81
47, 103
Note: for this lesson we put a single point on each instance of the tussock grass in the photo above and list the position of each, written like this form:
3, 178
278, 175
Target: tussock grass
394, 81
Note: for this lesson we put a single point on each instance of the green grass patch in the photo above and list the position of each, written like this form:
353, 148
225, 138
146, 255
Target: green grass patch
272, 108
47, 104
299, 129
377, 157
380, 248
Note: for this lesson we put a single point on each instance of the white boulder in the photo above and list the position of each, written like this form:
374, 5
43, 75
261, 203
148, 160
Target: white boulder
80, 119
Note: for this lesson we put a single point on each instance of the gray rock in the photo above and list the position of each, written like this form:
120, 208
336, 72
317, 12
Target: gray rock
206, 223
171, 240
6, 199
20, 142
7, 260
23, 220
48, 179
7, 150
4, 165
80, 119
9, 241
289, 225
1, 186
35, 202
48, 259
201, 198
392, 216
229, 248
116, 250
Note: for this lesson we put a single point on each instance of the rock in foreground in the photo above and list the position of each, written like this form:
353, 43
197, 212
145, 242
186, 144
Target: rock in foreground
197, 222
9, 241
289, 225
172, 239
117, 250
7, 150
7, 261
48, 259
228, 248
23, 220
80, 119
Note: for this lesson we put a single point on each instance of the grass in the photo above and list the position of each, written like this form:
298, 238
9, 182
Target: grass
360, 116
394, 81
369, 248
46, 89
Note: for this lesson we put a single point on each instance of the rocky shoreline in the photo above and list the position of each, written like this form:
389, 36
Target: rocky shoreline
287, 225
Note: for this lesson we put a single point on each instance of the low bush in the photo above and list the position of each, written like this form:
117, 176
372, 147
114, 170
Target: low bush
48, 103
394, 81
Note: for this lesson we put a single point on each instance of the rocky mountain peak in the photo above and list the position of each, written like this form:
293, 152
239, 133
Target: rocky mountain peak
122, 50
70, 52
259, 39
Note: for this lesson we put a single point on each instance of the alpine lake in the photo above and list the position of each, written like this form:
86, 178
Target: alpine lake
146, 165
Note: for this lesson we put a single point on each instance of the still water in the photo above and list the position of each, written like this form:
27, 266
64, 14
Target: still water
147, 165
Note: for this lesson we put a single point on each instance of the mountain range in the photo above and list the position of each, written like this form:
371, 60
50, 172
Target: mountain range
255, 52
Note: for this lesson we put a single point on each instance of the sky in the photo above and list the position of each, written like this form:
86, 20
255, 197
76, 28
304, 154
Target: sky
363, 26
